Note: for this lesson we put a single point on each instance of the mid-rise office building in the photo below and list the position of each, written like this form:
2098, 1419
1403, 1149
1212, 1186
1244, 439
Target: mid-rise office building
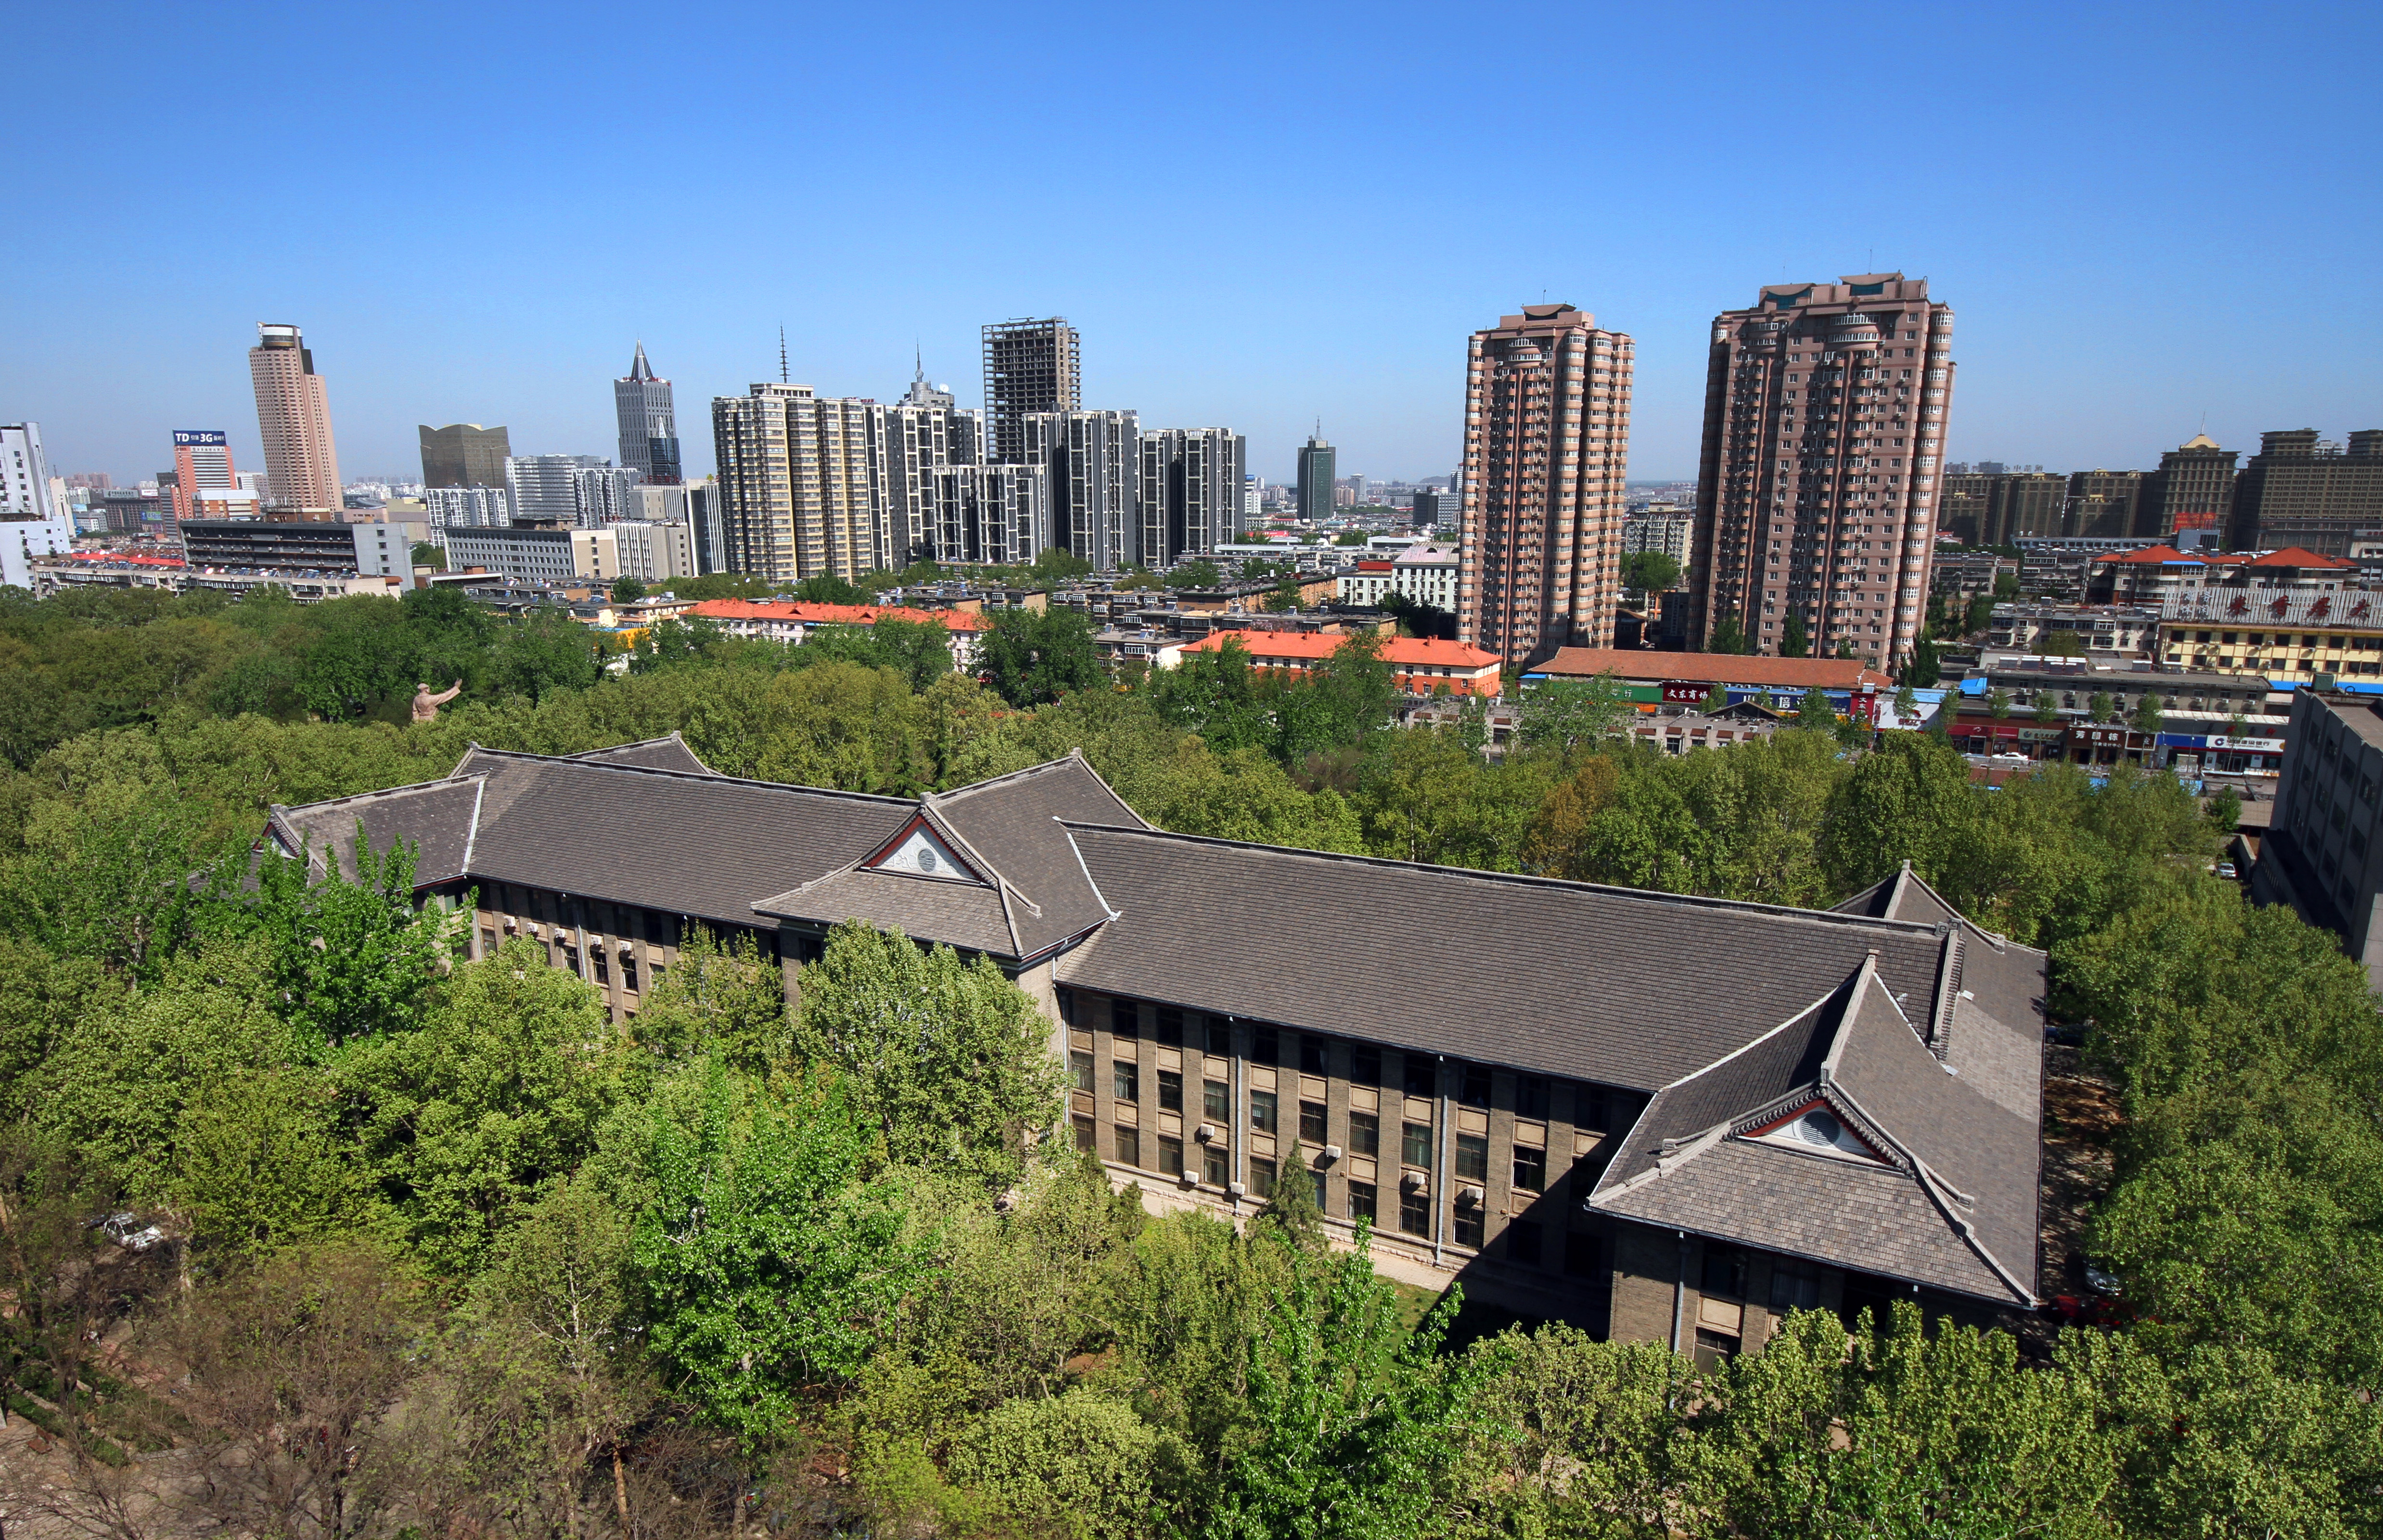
537, 553
1546, 441
1030, 368
1095, 459
293, 414
653, 552
1316, 466
802, 481
1434, 509
2191, 492
2298, 491
303, 546
1191, 492
649, 423
1826, 408
201, 464
467, 506
582, 489
463, 454
32, 522
996, 515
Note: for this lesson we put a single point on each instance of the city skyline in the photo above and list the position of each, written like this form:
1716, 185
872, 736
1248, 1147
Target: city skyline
1344, 289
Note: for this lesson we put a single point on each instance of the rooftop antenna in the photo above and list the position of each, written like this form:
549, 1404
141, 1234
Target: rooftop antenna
782, 376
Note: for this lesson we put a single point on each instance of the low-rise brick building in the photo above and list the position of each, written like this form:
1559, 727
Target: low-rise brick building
1565, 1127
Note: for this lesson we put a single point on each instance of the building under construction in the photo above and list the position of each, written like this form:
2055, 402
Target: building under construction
1028, 366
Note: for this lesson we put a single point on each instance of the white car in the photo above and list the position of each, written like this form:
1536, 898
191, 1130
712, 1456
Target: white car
127, 1231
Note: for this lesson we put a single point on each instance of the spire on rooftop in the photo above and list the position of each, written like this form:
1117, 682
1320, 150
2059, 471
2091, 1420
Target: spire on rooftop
640, 369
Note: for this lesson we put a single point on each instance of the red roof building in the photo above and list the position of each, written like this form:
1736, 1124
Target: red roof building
791, 621
1420, 665
1742, 670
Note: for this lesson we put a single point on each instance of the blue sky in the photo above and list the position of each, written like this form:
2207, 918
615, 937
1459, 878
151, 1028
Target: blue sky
1256, 216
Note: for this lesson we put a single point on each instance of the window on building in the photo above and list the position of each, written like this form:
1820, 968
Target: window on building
1724, 1272
1365, 1066
1530, 1169
1795, 1285
1415, 1213
1266, 1046
1311, 1121
1523, 1240
1361, 1200
603, 964
1584, 1255
488, 939
1530, 1097
1476, 1086
1590, 1108
1263, 1110
1170, 1090
1713, 1348
1472, 1157
1212, 1168
1313, 1051
1468, 1227
1079, 1066
1125, 1080
1421, 1078
1364, 1134
1215, 1102
1087, 1137
1170, 1156
1261, 1179
1414, 1144
1125, 1018
628, 970
1129, 1145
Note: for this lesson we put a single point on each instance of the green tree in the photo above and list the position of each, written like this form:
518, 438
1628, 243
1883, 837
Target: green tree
1815, 713
827, 588
771, 1260
1078, 1464
1354, 1423
464, 1121
2226, 810
2006, 587
1794, 642
260, 1166
1908, 799
627, 590
1571, 714
2061, 644
1649, 571
949, 1063
1215, 693
2100, 708
352, 959
1033, 655
1198, 572
720, 996
1292, 1210
1924, 671
2146, 717
2047, 708
1998, 703
430, 556
1576, 1437
1727, 636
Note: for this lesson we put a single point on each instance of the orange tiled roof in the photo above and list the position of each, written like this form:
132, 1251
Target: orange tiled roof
2298, 556
2152, 556
831, 614
1398, 651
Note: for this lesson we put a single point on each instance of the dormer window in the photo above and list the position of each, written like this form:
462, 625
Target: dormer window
1818, 1129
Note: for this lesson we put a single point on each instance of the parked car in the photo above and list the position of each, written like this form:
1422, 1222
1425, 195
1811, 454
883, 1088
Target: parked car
128, 1231
2226, 869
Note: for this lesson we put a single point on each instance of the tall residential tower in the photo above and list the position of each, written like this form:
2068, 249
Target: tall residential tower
1547, 437
1029, 366
649, 425
293, 412
1824, 419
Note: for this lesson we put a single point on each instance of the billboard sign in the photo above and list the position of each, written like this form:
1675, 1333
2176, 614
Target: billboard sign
1687, 691
187, 437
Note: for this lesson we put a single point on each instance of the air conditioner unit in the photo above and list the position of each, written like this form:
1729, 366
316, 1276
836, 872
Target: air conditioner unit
1470, 1197
1416, 1181
1207, 1134
1332, 1152
1236, 1188
1188, 1179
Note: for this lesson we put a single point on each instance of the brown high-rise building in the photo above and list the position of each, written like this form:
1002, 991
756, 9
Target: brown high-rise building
1824, 421
2193, 489
1547, 436
302, 464
2298, 491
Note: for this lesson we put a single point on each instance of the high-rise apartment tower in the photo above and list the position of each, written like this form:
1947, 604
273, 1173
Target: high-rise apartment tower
648, 424
463, 454
293, 414
2193, 489
1824, 420
1546, 439
1029, 366
1190, 493
802, 483
2300, 490
1095, 459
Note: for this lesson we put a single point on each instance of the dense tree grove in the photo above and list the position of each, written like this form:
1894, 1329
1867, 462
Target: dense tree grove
443, 1250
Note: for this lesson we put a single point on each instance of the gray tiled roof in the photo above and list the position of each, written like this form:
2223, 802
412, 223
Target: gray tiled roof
1610, 984
670, 752
1954, 1203
437, 817
1013, 823
956, 913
